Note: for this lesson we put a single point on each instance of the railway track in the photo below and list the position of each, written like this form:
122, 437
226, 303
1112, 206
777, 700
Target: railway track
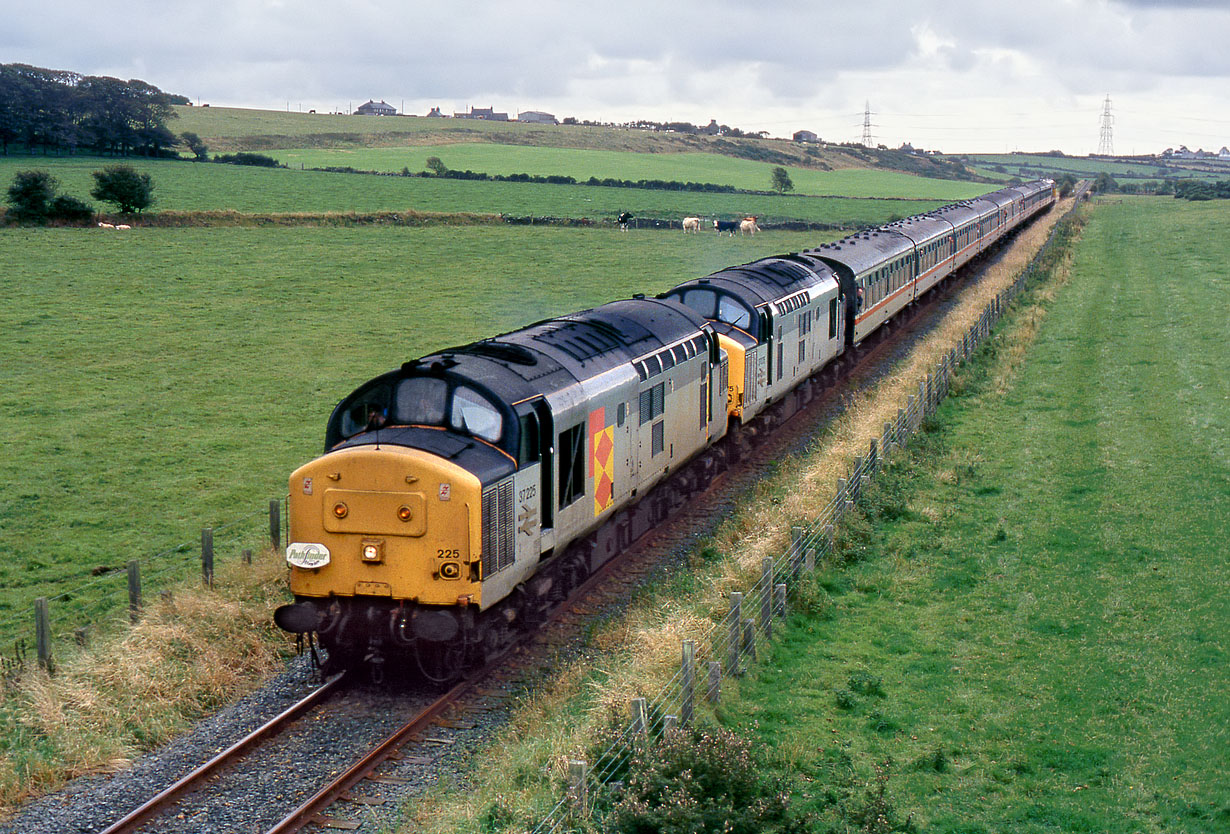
415, 741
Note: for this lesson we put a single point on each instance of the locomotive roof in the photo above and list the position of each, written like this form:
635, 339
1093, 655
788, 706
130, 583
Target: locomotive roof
554, 353
767, 280
865, 250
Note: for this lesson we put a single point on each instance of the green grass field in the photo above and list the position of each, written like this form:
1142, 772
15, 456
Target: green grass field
184, 186
684, 167
1034, 165
1042, 589
161, 381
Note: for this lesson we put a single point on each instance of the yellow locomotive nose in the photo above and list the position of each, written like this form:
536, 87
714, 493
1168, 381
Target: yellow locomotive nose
385, 522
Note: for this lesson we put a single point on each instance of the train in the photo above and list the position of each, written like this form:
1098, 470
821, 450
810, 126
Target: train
463, 495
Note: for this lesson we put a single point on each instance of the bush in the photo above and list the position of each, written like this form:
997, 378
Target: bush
244, 158
702, 779
30, 196
124, 186
70, 209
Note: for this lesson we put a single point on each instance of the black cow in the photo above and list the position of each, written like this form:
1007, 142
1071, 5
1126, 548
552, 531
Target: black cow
728, 226
624, 219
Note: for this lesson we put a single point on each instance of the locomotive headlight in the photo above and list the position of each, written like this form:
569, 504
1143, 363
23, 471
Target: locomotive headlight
404, 513
340, 510
450, 570
373, 551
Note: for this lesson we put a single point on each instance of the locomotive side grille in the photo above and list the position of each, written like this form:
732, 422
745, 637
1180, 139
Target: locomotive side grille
749, 378
498, 542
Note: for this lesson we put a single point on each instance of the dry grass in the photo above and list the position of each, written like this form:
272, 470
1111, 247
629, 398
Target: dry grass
140, 686
639, 652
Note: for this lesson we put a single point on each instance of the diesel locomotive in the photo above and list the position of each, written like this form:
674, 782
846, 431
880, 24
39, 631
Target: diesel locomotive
463, 495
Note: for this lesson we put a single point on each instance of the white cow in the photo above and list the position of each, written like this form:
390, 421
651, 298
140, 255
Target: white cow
106, 225
123, 226
748, 226
691, 224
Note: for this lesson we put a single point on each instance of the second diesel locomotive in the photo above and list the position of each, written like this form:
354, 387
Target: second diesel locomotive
463, 495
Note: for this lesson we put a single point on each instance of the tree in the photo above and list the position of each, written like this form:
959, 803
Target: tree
436, 166
123, 185
1105, 183
198, 148
781, 181
30, 196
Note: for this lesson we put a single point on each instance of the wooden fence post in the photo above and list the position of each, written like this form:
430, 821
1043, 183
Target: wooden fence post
207, 555
640, 719
736, 620
275, 523
42, 632
749, 640
688, 676
578, 785
766, 596
134, 590
779, 599
714, 693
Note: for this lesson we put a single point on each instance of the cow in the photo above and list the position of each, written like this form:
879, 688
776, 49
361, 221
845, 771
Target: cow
728, 226
123, 226
106, 225
624, 219
748, 226
691, 224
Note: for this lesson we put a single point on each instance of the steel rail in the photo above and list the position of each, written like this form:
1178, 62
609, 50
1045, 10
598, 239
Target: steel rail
138, 816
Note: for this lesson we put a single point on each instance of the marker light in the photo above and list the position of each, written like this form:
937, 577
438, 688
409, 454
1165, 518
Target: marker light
340, 510
404, 513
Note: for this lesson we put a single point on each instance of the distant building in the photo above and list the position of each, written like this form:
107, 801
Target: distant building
436, 114
537, 117
487, 114
805, 136
711, 129
1224, 153
372, 108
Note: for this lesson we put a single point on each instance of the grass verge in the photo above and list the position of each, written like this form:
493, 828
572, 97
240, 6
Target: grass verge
1038, 590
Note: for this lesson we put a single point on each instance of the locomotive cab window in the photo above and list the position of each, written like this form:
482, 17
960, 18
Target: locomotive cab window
368, 410
474, 414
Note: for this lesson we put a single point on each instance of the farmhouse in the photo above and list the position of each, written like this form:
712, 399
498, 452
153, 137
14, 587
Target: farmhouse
537, 117
435, 113
805, 136
372, 108
485, 113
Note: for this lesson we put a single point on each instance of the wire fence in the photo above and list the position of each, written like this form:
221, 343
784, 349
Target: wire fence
110, 596
731, 644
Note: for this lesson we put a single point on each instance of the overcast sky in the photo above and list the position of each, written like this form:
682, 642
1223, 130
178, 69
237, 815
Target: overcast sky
957, 75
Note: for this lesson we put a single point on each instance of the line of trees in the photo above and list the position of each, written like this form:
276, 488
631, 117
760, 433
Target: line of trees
58, 111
